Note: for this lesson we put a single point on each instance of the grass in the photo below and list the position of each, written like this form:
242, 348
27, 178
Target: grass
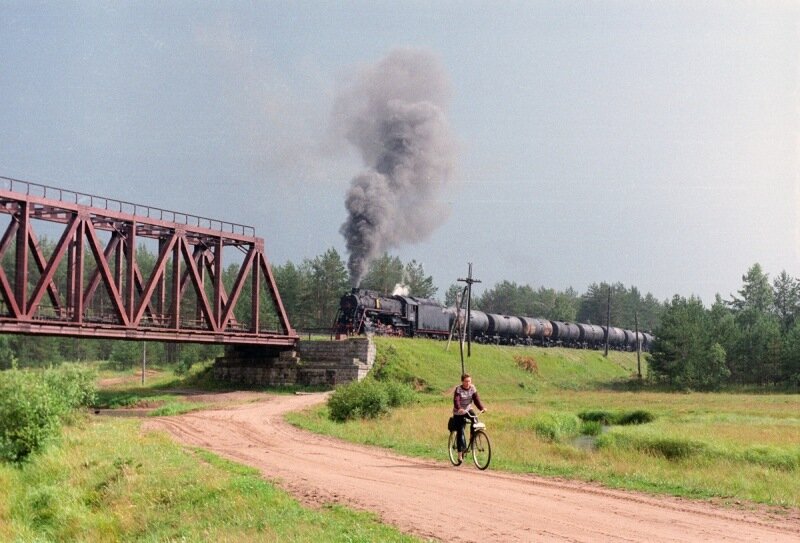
108, 481
729, 446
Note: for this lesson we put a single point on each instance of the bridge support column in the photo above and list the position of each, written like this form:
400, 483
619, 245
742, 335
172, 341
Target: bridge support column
256, 365
314, 363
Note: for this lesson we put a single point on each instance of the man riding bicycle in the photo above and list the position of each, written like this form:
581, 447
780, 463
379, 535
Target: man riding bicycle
464, 396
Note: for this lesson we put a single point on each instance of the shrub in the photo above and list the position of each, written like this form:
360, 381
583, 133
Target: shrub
603, 417
399, 394
72, 385
607, 418
640, 416
29, 414
367, 399
33, 405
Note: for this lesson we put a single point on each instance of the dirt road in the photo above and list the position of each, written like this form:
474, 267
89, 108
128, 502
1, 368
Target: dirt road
432, 498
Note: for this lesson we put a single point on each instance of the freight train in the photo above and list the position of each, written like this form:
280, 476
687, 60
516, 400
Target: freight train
365, 311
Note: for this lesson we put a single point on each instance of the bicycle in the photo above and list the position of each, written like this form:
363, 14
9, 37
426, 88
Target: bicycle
478, 445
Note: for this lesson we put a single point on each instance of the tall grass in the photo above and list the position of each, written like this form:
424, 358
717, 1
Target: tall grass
733, 446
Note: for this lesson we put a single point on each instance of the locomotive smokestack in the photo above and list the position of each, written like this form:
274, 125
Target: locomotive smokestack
394, 113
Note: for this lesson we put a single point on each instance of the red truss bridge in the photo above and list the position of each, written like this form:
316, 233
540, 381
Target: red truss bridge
80, 265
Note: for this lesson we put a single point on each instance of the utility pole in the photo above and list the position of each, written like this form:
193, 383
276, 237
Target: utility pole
457, 321
469, 281
608, 319
638, 345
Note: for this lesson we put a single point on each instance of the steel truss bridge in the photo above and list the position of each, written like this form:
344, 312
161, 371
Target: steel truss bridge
204, 281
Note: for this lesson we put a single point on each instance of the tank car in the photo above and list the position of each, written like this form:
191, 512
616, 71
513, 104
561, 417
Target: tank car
591, 335
504, 329
616, 337
566, 334
478, 325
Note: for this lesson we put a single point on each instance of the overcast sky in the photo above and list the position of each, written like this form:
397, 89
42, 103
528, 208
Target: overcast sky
652, 143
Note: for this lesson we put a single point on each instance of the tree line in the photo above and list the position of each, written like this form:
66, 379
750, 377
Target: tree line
627, 304
753, 338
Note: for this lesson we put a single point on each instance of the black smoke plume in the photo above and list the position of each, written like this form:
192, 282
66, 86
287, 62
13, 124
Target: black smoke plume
394, 113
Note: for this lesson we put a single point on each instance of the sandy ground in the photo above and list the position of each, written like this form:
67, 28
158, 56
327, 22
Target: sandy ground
435, 500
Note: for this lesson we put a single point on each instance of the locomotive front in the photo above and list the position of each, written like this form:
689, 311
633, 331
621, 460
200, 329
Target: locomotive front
362, 311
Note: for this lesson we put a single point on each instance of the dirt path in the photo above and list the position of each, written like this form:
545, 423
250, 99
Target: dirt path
430, 499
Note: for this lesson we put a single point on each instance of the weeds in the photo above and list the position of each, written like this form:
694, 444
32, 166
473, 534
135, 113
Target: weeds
527, 363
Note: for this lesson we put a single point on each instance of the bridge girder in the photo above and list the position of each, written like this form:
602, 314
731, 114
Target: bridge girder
184, 297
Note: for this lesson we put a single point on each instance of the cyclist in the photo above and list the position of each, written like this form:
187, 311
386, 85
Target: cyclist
464, 396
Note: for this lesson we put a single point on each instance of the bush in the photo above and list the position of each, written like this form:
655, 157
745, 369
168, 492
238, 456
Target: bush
607, 418
367, 399
640, 416
29, 414
603, 417
399, 394
33, 405
72, 385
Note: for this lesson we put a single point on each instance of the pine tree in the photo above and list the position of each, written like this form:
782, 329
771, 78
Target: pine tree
685, 354
385, 273
786, 299
756, 293
418, 283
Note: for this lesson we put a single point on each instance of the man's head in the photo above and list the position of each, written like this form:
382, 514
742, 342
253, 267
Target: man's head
466, 380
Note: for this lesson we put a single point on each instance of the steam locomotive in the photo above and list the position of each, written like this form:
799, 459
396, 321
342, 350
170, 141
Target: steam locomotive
365, 311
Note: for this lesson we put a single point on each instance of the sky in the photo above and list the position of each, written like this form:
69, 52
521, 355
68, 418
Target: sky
656, 144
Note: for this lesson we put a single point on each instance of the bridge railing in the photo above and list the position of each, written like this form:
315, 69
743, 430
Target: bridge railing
101, 202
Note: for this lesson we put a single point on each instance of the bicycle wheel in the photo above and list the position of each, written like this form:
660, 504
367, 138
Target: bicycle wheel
481, 450
452, 448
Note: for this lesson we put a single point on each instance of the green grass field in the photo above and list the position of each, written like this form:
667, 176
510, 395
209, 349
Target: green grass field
105, 479
727, 446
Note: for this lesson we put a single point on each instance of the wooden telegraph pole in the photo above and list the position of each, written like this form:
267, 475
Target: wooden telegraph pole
144, 360
638, 345
469, 281
608, 319
457, 320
